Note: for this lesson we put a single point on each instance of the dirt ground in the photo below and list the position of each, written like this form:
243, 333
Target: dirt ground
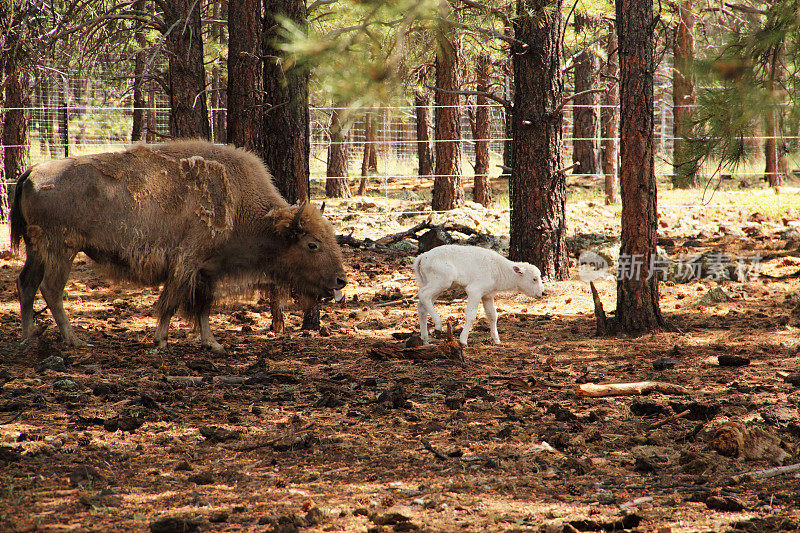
346, 430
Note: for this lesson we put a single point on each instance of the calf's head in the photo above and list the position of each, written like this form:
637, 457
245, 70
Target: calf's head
530, 279
310, 259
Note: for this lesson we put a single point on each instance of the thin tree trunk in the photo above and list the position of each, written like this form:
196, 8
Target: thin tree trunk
218, 99
286, 122
481, 188
637, 289
369, 160
586, 108
538, 213
245, 76
422, 118
683, 97
448, 188
151, 116
139, 64
187, 75
772, 153
610, 118
338, 153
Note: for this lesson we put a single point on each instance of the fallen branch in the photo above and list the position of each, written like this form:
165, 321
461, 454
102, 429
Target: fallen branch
592, 390
668, 420
427, 445
769, 472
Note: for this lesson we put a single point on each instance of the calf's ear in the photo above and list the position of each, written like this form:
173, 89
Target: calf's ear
518, 270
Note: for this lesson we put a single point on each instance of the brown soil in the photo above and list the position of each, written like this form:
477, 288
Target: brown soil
342, 430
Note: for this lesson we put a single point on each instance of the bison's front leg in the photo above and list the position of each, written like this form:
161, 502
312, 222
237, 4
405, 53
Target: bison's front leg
166, 305
207, 339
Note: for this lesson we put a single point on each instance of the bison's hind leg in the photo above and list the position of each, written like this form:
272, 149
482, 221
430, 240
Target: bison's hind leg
202, 296
168, 302
56, 273
27, 284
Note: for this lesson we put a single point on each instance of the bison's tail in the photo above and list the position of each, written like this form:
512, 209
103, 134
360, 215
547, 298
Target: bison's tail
19, 225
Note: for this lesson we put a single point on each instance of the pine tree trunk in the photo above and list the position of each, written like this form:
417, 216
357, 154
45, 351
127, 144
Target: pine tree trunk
586, 108
187, 75
610, 118
481, 188
338, 153
151, 117
218, 89
286, 121
538, 215
772, 152
139, 63
369, 160
245, 77
448, 188
683, 97
422, 115
637, 291
16, 158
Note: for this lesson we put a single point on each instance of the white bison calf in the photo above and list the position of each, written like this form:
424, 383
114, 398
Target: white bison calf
481, 272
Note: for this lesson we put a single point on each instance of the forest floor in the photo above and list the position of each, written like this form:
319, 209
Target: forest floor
347, 430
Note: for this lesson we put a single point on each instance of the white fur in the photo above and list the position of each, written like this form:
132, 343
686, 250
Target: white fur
481, 272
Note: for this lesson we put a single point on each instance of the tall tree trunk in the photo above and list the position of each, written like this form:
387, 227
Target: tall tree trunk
610, 118
422, 104
139, 64
338, 153
245, 76
538, 212
448, 188
151, 116
218, 100
286, 122
15, 126
187, 75
481, 188
683, 97
369, 160
586, 107
637, 288
773, 146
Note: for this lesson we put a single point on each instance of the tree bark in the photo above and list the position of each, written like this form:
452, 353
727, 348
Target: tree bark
448, 188
369, 159
774, 153
187, 75
422, 115
218, 92
286, 123
610, 118
338, 153
637, 290
586, 107
139, 64
538, 215
15, 126
683, 97
481, 188
244, 93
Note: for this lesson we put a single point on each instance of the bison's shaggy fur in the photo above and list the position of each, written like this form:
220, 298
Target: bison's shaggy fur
190, 215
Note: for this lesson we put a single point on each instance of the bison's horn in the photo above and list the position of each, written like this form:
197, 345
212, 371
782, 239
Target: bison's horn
299, 214
322, 209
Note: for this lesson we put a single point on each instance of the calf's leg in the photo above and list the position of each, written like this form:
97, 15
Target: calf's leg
470, 314
425, 298
491, 317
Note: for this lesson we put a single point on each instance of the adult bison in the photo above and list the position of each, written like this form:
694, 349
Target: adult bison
193, 216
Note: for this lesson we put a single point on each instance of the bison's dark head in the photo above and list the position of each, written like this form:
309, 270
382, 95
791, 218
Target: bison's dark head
310, 260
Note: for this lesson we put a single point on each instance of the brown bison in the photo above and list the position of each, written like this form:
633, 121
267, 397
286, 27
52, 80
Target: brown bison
193, 216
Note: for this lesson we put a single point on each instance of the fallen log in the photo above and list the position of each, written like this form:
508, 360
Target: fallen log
593, 390
769, 472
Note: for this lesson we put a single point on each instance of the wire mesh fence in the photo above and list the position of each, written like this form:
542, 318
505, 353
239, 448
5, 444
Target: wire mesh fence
74, 115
